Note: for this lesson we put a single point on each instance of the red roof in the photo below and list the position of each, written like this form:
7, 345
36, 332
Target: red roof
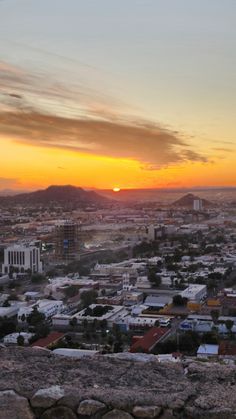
53, 337
150, 339
227, 348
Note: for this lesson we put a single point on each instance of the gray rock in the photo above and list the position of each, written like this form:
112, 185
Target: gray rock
47, 397
168, 414
117, 414
146, 411
59, 412
91, 407
13, 406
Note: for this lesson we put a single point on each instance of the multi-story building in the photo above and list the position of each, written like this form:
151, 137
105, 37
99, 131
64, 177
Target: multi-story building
66, 241
21, 258
197, 205
195, 292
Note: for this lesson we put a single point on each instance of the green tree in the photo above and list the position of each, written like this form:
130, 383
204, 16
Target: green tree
73, 322
37, 278
20, 340
229, 325
178, 300
154, 278
88, 298
35, 317
215, 316
71, 291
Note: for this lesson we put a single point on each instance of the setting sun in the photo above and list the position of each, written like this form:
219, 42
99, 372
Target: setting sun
116, 189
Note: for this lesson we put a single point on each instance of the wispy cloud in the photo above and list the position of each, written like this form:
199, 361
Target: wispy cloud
39, 111
6, 182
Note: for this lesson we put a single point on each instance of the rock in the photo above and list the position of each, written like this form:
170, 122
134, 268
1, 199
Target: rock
117, 414
13, 406
91, 407
47, 397
168, 414
59, 412
146, 411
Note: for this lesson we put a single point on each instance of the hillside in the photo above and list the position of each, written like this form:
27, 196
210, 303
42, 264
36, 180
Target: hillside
62, 195
187, 201
37, 383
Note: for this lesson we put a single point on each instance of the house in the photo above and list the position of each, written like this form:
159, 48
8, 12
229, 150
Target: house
148, 342
208, 351
48, 341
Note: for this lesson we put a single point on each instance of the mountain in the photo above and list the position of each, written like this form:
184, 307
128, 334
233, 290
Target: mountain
62, 195
187, 201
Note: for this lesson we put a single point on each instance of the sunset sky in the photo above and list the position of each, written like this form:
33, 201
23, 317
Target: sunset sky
128, 93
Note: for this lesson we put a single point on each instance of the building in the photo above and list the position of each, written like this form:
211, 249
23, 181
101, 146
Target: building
47, 307
49, 341
21, 258
197, 205
208, 351
66, 241
148, 342
157, 302
75, 353
195, 292
12, 339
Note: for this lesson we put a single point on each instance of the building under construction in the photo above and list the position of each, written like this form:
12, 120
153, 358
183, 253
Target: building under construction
66, 241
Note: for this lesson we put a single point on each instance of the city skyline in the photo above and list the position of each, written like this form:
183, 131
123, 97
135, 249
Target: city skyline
129, 95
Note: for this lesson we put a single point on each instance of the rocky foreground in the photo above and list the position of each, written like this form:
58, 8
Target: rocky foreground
35, 383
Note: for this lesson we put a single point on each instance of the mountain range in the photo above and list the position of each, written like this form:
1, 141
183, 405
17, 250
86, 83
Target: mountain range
62, 195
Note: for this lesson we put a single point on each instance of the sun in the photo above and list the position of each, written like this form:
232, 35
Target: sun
116, 189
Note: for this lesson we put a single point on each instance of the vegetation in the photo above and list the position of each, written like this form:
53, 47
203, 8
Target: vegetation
178, 300
88, 298
97, 311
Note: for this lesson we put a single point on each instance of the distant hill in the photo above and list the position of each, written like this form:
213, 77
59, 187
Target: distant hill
62, 195
187, 201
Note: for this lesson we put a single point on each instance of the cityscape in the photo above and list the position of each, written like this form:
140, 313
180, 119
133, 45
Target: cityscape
117, 209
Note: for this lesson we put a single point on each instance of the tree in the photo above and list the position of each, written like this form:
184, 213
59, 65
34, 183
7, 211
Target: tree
73, 322
154, 278
215, 316
229, 325
88, 298
37, 278
71, 291
178, 300
35, 317
20, 340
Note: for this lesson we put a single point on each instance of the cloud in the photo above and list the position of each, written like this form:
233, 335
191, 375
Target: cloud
8, 182
39, 111
224, 150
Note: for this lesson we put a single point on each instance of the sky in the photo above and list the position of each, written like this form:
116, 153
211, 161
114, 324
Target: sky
107, 93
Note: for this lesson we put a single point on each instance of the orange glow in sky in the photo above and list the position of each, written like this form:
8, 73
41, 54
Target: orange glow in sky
103, 104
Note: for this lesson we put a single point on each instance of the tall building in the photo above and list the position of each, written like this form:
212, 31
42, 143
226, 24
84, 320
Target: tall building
21, 258
197, 205
66, 241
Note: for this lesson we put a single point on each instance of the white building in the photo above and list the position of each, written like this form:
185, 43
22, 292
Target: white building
12, 338
197, 205
22, 258
47, 307
195, 292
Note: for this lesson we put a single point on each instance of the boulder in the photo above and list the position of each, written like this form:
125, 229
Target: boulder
117, 414
59, 412
13, 406
91, 407
146, 411
47, 397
